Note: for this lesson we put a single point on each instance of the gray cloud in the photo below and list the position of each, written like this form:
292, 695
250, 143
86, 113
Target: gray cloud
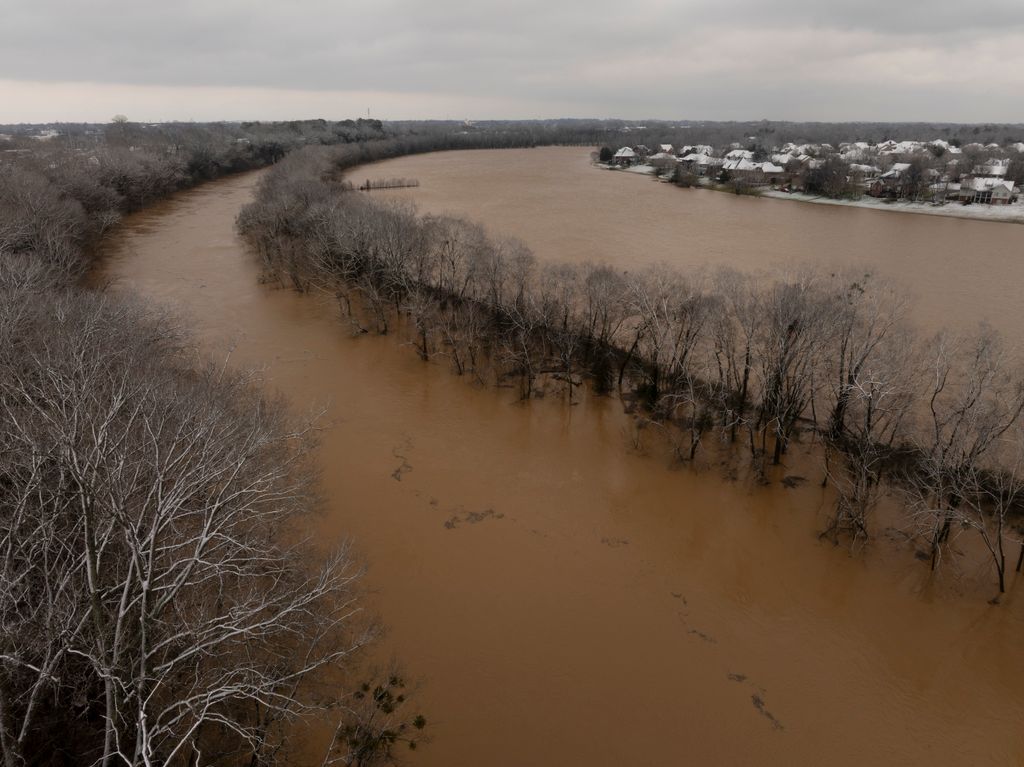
731, 58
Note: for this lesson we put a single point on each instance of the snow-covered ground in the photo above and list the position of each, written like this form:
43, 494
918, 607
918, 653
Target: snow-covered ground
646, 169
642, 169
1013, 213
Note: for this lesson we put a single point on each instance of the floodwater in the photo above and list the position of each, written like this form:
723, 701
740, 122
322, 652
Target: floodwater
957, 271
568, 600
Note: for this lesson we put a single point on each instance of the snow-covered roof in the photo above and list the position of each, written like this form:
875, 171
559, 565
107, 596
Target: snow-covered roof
900, 147
897, 170
702, 159
738, 163
662, 156
625, 152
697, 149
744, 164
735, 154
993, 168
984, 184
666, 147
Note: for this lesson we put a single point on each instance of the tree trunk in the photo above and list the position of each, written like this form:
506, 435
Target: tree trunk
625, 362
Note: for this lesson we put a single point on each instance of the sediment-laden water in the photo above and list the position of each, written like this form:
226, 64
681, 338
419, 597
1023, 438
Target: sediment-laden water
565, 598
958, 271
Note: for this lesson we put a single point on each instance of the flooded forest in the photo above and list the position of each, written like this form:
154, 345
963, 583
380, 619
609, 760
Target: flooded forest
589, 468
579, 522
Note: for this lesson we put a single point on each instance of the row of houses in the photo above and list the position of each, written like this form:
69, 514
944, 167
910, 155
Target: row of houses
791, 166
986, 184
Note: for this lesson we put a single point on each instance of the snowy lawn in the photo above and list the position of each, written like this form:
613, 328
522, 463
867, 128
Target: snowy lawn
1013, 213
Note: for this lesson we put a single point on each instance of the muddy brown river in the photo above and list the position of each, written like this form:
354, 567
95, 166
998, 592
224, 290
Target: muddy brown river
956, 271
567, 600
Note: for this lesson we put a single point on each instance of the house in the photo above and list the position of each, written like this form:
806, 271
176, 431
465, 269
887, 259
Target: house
945, 146
696, 149
900, 147
898, 181
941, 191
624, 157
739, 154
666, 148
994, 167
896, 171
861, 174
663, 160
986, 190
700, 164
757, 173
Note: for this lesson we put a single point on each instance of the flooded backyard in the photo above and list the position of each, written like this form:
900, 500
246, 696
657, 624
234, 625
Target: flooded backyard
567, 599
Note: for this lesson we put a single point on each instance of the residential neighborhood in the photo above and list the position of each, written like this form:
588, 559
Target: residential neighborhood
936, 171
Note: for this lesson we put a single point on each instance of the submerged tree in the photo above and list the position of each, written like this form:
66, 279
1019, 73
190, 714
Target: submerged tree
975, 396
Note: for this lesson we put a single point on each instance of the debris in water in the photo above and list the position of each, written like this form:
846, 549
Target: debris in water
472, 518
706, 637
758, 702
400, 452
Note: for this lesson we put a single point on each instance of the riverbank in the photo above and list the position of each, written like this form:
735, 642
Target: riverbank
1012, 214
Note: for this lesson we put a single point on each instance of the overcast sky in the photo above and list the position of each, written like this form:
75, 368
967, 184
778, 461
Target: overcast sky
676, 59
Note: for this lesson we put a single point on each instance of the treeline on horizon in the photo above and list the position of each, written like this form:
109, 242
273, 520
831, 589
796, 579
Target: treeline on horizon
717, 133
156, 604
751, 362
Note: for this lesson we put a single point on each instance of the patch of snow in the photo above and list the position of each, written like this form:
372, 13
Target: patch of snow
643, 169
1013, 213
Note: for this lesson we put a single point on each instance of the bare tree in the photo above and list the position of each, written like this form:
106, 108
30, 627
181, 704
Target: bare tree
878, 396
147, 540
990, 495
795, 324
734, 325
974, 397
865, 313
